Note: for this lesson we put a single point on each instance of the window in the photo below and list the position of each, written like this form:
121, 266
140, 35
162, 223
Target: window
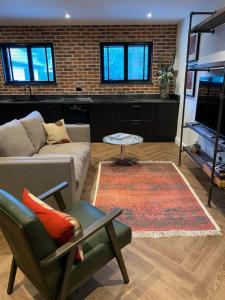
24, 64
125, 62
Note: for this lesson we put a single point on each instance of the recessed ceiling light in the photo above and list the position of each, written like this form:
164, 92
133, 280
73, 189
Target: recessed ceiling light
149, 15
67, 16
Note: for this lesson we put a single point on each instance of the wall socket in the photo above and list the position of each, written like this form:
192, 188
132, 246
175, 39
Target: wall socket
79, 89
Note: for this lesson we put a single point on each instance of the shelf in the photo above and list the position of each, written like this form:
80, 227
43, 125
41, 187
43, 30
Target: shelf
200, 158
210, 23
207, 66
208, 134
214, 20
219, 182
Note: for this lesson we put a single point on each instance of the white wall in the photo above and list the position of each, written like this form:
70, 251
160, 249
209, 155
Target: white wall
212, 49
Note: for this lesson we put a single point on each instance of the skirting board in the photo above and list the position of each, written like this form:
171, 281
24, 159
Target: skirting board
177, 141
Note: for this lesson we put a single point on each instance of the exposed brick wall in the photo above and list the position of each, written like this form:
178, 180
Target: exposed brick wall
77, 55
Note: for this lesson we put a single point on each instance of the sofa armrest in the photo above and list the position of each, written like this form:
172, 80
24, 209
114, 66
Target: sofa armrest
37, 174
79, 132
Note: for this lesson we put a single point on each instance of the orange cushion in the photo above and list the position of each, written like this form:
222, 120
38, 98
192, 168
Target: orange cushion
60, 226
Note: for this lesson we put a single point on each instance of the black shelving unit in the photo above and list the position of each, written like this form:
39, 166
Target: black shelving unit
214, 20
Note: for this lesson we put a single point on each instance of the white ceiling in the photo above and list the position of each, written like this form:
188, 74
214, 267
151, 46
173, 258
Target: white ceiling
46, 12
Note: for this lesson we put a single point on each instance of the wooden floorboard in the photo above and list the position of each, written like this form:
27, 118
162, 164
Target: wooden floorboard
160, 269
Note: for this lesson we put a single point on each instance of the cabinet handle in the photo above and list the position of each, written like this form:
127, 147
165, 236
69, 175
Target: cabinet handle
135, 106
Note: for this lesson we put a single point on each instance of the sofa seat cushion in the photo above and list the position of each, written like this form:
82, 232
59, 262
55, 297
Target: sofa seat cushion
14, 140
80, 152
34, 129
98, 245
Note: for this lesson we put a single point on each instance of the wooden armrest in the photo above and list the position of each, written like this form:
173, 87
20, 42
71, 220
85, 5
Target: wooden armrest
55, 191
69, 246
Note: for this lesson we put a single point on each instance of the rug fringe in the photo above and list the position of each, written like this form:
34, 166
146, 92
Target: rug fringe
171, 233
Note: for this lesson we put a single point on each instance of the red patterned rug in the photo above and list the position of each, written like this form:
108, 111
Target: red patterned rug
156, 198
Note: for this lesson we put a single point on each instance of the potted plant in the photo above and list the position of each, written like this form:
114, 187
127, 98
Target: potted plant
165, 74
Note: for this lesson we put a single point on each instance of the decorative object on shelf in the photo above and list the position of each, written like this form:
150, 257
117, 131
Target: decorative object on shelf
166, 74
190, 87
196, 147
194, 47
156, 198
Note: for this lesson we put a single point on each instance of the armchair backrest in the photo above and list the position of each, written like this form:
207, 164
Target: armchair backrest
29, 243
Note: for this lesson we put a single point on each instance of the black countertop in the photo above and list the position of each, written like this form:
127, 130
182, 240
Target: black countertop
87, 99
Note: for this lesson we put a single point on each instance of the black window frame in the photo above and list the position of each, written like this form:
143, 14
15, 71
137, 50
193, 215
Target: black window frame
126, 45
28, 46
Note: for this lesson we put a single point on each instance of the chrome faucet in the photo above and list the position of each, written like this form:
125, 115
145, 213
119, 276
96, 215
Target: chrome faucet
30, 92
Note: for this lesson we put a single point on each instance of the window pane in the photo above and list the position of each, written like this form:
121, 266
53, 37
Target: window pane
19, 60
50, 64
106, 64
146, 64
113, 63
39, 64
137, 62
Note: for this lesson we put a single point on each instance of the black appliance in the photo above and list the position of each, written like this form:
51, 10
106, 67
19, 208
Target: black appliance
76, 114
208, 102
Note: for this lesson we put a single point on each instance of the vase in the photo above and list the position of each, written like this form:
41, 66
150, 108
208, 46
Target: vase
164, 91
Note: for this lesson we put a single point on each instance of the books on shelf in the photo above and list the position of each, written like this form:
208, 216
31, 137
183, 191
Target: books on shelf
219, 169
220, 182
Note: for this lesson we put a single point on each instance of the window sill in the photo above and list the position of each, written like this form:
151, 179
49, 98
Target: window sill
30, 83
150, 82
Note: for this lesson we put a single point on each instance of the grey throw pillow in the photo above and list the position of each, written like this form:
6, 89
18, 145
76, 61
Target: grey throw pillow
14, 140
34, 129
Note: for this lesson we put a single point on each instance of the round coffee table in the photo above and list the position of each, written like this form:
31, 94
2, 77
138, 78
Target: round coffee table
123, 140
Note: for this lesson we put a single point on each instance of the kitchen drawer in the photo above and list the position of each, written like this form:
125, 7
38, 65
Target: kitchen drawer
142, 128
134, 111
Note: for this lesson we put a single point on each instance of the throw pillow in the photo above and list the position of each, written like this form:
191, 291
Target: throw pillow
56, 132
60, 226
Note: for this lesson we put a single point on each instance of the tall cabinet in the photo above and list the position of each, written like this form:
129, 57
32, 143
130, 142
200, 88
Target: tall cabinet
214, 20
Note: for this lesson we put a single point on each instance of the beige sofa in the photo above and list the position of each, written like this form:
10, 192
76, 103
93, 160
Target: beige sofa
27, 161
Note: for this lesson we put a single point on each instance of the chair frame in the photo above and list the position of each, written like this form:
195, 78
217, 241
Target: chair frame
68, 248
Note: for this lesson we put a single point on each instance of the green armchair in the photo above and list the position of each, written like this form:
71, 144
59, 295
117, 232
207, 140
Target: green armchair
51, 269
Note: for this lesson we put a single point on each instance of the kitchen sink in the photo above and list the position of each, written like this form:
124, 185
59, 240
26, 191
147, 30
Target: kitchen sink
80, 99
52, 100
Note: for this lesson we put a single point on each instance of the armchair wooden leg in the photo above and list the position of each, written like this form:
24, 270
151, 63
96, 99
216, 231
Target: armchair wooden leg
116, 248
12, 276
66, 278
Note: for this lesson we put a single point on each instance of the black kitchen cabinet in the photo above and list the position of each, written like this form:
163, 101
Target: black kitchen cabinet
101, 121
50, 112
134, 118
154, 120
165, 121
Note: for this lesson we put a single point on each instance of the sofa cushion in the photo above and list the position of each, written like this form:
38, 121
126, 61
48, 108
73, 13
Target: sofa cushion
56, 132
34, 129
14, 140
80, 151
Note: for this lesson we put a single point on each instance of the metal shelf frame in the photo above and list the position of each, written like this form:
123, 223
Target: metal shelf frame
207, 26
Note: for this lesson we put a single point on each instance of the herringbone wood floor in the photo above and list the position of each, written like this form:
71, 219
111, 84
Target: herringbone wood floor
159, 269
